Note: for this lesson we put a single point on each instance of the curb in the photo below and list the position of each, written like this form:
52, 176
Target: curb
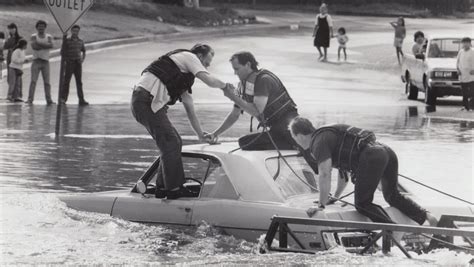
170, 36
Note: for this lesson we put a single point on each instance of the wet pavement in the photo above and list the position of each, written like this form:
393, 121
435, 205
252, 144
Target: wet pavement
101, 147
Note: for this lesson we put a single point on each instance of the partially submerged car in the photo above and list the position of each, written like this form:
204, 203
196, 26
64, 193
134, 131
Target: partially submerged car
435, 74
236, 191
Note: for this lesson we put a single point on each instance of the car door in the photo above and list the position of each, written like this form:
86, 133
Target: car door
146, 208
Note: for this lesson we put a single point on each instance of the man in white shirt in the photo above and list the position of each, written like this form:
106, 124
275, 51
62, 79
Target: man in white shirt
465, 66
41, 43
163, 83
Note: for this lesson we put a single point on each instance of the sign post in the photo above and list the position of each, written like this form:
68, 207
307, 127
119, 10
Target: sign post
66, 13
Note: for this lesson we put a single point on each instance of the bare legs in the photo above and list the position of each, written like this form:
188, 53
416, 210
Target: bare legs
399, 52
339, 53
320, 53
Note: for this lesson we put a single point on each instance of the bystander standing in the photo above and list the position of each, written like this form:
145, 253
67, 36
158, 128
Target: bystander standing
41, 43
74, 53
342, 39
465, 66
323, 31
9, 45
400, 34
15, 87
2, 57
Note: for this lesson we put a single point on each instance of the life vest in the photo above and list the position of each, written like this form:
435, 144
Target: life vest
278, 107
168, 72
350, 141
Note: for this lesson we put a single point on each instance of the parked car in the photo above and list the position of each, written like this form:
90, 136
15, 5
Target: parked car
237, 192
435, 73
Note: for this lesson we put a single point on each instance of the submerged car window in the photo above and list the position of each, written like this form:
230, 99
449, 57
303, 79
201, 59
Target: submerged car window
195, 167
217, 184
444, 48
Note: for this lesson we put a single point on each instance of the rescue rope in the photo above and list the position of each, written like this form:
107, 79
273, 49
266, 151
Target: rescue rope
434, 189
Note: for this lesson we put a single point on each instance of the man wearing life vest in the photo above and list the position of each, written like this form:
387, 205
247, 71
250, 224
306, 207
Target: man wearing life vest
262, 95
164, 82
356, 150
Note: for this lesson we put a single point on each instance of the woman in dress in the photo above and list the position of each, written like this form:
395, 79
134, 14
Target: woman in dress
322, 31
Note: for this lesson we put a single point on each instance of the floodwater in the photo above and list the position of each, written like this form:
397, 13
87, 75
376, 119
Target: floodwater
101, 147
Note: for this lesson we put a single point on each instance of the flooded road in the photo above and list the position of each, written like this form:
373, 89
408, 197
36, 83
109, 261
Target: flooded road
101, 147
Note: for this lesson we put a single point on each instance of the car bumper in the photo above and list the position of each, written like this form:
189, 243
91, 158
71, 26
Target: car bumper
444, 88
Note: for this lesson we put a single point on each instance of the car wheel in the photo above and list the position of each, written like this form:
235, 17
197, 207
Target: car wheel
411, 90
430, 96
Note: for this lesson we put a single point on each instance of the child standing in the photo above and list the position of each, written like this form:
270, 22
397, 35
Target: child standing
400, 33
465, 66
342, 39
16, 72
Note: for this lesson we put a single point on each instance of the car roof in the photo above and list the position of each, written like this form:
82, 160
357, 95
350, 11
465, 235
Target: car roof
247, 170
232, 148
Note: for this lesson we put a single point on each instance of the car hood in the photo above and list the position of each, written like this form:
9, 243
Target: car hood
442, 63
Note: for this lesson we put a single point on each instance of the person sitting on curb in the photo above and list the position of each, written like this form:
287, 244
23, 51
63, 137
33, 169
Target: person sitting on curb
164, 82
356, 150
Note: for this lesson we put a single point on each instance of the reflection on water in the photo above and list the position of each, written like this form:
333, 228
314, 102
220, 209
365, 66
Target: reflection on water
32, 162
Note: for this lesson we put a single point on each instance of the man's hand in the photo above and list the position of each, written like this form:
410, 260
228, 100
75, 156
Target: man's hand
211, 138
228, 90
204, 138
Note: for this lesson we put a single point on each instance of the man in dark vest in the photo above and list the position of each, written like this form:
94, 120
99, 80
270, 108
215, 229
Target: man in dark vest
164, 82
356, 150
262, 95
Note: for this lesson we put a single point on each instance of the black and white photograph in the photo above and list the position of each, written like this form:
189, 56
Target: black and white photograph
236, 133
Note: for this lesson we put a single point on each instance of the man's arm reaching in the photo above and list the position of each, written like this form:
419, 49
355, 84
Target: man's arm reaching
231, 118
189, 106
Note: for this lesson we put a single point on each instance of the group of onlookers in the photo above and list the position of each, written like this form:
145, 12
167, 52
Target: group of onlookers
323, 32
41, 44
464, 64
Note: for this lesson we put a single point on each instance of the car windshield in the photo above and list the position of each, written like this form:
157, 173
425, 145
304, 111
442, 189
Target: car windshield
305, 182
444, 48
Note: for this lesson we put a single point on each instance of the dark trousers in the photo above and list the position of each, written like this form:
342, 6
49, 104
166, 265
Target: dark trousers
377, 163
15, 84
280, 135
468, 95
73, 67
170, 172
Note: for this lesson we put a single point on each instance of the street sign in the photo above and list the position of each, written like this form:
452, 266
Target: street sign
67, 12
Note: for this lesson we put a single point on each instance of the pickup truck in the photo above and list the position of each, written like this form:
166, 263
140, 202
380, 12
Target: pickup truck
435, 72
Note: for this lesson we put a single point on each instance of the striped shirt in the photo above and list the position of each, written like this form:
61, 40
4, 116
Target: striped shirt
74, 48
